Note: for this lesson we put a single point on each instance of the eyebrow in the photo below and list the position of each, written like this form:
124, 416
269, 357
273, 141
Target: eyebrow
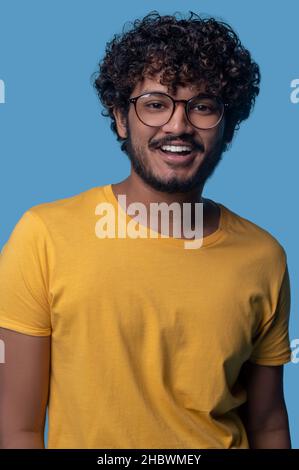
154, 91
163, 91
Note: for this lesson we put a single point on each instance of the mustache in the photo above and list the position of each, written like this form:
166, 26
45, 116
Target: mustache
170, 140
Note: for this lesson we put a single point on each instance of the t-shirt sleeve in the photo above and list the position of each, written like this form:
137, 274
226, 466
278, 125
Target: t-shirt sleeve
271, 346
24, 278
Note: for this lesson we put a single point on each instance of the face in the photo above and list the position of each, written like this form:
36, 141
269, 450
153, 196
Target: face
166, 172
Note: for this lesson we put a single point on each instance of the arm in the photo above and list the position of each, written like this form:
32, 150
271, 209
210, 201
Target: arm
24, 381
264, 414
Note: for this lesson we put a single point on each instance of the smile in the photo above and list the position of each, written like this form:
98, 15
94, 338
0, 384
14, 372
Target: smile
176, 149
181, 158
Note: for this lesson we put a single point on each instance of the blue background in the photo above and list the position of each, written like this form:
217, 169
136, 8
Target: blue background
54, 143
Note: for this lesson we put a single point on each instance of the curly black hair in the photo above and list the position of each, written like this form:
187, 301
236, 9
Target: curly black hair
185, 51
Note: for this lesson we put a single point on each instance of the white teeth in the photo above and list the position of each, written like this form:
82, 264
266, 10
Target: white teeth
175, 148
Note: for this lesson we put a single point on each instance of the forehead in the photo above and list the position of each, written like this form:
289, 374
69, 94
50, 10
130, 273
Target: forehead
153, 84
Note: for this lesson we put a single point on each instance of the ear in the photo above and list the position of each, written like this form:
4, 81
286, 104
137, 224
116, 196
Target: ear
121, 123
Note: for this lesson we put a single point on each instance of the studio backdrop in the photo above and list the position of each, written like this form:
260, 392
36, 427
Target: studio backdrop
54, 142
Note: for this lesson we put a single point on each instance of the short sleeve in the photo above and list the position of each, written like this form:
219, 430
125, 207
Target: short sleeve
272, 344
24, 278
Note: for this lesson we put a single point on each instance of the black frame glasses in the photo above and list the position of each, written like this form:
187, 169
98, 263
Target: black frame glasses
187, 105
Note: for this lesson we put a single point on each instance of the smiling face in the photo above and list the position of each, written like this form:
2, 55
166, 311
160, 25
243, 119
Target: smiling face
170, 172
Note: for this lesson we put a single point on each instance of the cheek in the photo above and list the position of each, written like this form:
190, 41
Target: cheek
142, 136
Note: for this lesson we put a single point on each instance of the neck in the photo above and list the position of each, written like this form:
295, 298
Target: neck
136, 190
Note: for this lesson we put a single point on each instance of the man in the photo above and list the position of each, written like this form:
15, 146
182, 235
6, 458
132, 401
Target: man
152, 345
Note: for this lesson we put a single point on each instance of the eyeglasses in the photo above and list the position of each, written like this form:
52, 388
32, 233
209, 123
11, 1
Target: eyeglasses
156, 109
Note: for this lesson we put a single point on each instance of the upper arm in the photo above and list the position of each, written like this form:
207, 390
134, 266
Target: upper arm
271, 343
26, 261
24, 382
265, 406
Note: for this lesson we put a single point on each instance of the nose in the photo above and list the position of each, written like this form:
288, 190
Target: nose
178, 122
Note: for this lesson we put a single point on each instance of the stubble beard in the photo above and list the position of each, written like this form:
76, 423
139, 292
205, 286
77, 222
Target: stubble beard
174, 184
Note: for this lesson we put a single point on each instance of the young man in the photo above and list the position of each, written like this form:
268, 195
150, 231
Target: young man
152, 345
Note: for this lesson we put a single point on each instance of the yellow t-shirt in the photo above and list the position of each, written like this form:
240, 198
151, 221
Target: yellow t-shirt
148, 338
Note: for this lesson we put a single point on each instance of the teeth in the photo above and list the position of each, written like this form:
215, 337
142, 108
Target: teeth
176, 148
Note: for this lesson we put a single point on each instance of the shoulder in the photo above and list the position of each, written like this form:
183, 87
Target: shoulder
252, 239
65, 210
59, 219
68, 203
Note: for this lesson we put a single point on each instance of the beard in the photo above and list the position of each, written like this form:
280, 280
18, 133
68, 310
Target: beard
174, 184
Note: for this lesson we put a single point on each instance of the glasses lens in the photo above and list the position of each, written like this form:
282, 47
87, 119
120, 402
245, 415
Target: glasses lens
205, 112
154, 109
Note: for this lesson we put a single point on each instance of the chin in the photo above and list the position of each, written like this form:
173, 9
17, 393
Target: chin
173, 184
